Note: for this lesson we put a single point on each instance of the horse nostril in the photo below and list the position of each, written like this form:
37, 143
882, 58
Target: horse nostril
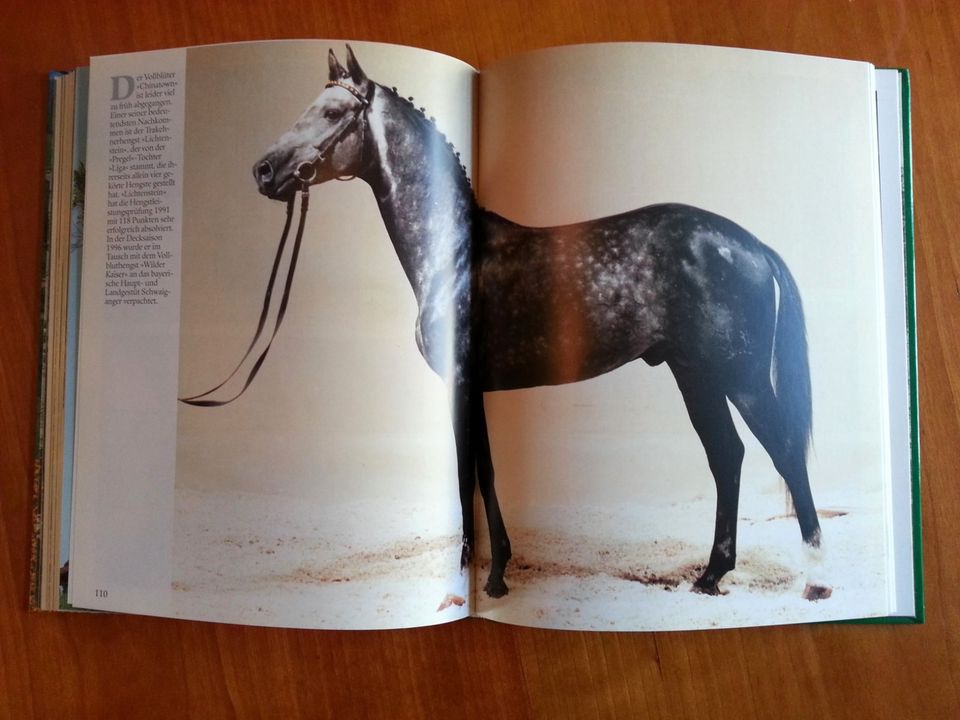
264, 171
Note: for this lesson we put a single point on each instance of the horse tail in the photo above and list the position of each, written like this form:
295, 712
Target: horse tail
790, 366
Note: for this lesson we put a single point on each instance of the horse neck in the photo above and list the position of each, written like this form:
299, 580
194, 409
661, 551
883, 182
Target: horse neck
424, 196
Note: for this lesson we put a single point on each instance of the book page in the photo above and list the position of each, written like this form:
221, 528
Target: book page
604, 485
326, 494
894, 144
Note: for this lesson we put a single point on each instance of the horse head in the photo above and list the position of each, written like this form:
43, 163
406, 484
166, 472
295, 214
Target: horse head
327, 141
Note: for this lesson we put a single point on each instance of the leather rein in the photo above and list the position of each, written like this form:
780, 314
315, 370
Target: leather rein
304, 173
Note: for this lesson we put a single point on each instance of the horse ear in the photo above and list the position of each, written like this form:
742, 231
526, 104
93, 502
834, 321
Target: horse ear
356, 72
337, 71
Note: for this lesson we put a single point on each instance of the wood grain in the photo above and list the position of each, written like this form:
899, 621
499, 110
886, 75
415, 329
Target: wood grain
123, 666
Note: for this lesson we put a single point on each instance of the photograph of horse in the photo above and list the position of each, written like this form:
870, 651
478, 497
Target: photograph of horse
503, 306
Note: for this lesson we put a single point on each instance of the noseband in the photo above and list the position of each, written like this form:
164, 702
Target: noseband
307, 171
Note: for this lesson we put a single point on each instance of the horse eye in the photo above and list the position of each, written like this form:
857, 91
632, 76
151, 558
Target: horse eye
332, 114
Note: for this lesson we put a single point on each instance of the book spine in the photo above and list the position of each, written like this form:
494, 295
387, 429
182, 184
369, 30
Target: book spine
910, 278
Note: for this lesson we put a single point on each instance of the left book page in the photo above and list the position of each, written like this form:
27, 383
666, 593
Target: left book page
325, 495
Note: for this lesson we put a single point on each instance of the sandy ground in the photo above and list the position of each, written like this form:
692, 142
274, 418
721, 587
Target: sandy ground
274, 560
605, 569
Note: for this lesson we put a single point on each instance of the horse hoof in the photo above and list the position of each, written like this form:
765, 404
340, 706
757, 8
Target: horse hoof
816, 592
707, 587
465, 555
707, 590
496, 588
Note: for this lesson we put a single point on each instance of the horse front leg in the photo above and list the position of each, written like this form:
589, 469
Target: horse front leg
499, 542
466, 475
707, 407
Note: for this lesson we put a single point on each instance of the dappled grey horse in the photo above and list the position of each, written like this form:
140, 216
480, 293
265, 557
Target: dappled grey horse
504, 306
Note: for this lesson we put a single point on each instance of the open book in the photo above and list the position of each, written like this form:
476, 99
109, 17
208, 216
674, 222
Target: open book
608, 337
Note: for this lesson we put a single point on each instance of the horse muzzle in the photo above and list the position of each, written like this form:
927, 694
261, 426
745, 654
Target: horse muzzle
276, 186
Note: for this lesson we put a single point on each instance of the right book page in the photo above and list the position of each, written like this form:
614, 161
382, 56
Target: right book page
679, 201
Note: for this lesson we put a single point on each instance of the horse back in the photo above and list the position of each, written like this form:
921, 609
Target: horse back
566, 303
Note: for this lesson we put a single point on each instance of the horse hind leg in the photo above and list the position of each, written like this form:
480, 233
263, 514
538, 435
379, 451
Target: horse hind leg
707, 407
787, 449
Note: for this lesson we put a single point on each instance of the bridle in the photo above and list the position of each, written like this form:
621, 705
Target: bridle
305, 172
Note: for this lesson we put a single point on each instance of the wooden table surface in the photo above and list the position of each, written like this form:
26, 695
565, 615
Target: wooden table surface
66, 666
